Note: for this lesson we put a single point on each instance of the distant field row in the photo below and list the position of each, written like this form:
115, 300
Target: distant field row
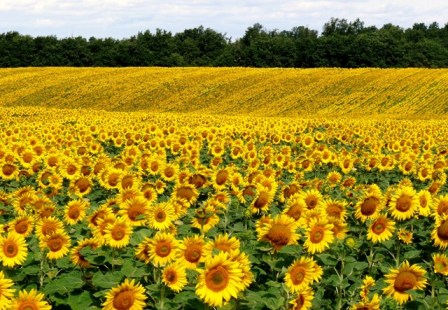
233, 91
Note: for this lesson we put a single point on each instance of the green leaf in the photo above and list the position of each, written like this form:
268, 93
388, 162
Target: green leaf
64, 284
80, 301
107, 280
412, 254
130, 270
328, 260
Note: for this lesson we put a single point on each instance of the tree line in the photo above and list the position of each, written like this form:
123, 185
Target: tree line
341, 44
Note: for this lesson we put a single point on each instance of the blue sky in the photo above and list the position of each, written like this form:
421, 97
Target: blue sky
124, 18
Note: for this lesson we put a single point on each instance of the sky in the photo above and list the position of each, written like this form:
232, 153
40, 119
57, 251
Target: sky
124, 18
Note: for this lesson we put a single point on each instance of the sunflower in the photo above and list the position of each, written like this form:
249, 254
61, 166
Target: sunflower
425, 199
75, 211
163, 249
142, 251
440, 205
295, 208
373, 304
280, 231
381, 229
303, 300
313, 198
205, 218
30, 300
222, 243
219, 281
335, 208
262, 200
148, 192
302, 273
185, 191
81, 185
440, 263
367, 283
57, 243
339, 228
13, 250
6, 292
175, 277
47, 226
319, 236
191, 251
100, 213
333, 178
127, 295
161, 216
405, 236
22, 225
440, 232
118, 234
400, 281
75, 255
134, 210
404, 203
371, 203
8, 171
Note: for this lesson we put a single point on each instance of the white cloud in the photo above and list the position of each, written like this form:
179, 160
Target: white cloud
123, 18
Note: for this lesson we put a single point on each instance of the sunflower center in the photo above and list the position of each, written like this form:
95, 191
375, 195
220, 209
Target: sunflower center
163, 249
404, 281
442, 208
8, 169
193, 254
55, 244
317, 234
262, 200
423, 202
404, 203
171, 276
378, 227
334, 211
295, 212
440, 266
28, 305
118, 233
83, 185
185, 193
73, 213
369, 205
217, 279
225, 247
10, 249
311, 202
160, 216
442, 231
169, 172
21, 227
127, 181
279, 235
124, 300
298, 275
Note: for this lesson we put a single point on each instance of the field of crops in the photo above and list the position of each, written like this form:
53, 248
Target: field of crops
106, 209
235, 91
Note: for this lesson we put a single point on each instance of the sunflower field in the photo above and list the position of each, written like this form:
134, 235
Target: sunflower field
144, 210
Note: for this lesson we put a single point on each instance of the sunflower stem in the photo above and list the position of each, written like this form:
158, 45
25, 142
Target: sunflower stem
41, 271
397, 257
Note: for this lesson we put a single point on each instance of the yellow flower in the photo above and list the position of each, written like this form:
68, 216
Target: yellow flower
77, 258
370, 204
303, 300
319, 236
440, 263
75, 211
161, 216
381, 229
404, 203
222, 243
134, 210
57, 243
22, 225
440, 232
118, 233
302, 273
163, 249
6, 292
191, 251
30, 300
175, 277
13, 250
219, 281
400, 281
127, 295
280, 231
